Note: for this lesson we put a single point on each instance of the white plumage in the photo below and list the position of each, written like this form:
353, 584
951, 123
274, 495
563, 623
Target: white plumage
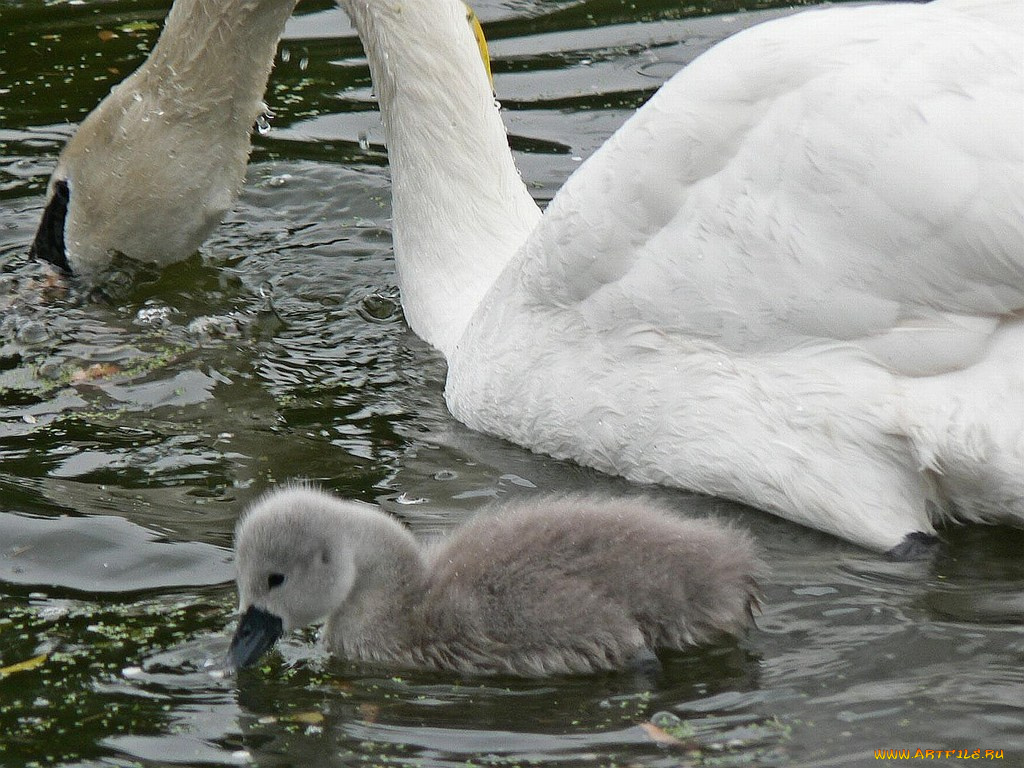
794, 278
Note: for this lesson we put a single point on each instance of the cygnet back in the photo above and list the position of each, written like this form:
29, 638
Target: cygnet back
575, 583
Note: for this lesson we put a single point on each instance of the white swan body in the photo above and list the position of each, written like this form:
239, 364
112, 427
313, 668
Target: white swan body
794, 278
153, 169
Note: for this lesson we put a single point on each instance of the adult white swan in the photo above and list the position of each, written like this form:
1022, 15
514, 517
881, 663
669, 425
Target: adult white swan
794, 278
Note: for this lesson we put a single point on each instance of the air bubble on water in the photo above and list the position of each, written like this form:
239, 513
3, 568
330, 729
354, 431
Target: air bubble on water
214, 327
50, 370
33, 332
665, 720
377, 308
154, 316
53, 612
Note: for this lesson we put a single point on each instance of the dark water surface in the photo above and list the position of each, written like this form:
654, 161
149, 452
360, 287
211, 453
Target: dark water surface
134, 428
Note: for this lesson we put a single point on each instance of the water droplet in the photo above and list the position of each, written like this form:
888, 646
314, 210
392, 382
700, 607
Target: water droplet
407, 500
303, 63
497, 104
263, 123
364, 141
263, 120
286, 55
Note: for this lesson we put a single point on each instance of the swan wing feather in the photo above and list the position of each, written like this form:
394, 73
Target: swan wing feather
808, 182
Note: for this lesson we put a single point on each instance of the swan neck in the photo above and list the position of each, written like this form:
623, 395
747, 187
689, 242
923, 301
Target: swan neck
214, 58
459, 207
390, 577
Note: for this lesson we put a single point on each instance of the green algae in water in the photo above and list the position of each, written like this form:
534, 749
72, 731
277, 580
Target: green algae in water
61, 709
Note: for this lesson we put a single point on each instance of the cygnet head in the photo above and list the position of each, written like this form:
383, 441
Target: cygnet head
296, 564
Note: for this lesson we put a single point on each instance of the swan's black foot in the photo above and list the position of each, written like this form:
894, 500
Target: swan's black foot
915, 546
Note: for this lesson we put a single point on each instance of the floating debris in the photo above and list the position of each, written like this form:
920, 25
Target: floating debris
24, 666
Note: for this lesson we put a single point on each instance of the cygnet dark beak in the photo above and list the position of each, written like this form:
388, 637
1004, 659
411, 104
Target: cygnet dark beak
257, 631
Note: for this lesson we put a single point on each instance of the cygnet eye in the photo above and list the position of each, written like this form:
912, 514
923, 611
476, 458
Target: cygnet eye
275, 580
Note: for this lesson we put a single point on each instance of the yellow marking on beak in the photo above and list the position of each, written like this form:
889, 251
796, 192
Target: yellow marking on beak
481, 42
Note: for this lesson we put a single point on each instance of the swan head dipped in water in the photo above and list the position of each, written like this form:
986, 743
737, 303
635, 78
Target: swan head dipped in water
543, 586
153, 169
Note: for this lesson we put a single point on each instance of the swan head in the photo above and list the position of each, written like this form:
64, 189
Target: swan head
295, 565
133, 183
157, 164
